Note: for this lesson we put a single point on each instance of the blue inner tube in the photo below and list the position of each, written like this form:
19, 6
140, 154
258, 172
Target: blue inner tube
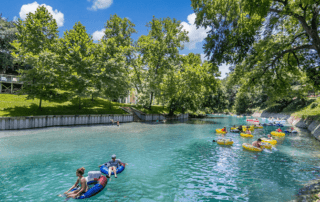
104, 169
93, 190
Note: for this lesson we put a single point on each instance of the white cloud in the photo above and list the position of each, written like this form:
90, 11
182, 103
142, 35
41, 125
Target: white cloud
97, 35
224, 69
195, 35
100, 4
203, 57
27, 8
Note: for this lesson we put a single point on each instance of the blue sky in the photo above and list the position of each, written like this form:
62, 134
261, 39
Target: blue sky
94, 13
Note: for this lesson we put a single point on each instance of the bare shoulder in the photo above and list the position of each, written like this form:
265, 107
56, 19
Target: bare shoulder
83, 179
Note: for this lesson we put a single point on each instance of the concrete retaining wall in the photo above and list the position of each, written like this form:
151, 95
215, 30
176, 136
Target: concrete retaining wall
29, 122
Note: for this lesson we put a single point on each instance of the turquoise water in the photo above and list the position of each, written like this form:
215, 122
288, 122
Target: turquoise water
167, 162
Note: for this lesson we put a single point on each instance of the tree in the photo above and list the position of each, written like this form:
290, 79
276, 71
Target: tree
116, 57
281, 36
159, 49
34, 45
186, 84
77, 55
7, 35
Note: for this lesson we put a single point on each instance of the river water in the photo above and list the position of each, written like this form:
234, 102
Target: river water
176, 161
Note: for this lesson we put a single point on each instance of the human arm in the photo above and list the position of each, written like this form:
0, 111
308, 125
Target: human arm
105, 164
83, 187
72, 186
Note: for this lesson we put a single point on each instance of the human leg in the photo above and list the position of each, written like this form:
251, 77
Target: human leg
114, 171
109, 171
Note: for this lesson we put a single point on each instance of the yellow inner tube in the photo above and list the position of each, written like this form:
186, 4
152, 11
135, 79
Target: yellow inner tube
220, 131
245, 135
267, 145
225, 142
232, 128
259, 127
250, 147
279, 134
273, 142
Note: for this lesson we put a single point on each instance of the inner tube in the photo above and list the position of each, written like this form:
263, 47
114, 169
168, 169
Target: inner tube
274, 133
287, 131
104, 169
220, 131
273, 142
225, 142
259, 127
245, 135
250, 147
98, 187
267, 145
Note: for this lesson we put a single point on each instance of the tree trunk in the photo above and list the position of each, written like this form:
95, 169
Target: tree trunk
92, 97
171, 112
151, 98
40, 102
79, 102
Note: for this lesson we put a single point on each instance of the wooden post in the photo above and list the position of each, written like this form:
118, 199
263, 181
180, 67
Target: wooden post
0, 87
11, 85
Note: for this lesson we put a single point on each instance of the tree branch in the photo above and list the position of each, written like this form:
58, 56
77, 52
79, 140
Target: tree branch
297, 36
294, 54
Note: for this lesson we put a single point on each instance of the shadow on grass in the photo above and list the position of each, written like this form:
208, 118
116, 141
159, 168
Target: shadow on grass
98, 106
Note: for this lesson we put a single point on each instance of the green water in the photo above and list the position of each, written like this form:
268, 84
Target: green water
167, 162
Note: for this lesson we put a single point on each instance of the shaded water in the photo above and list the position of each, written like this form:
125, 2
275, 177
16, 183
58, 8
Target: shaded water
167, 162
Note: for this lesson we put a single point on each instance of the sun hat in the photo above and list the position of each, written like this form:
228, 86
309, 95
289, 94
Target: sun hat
113, 156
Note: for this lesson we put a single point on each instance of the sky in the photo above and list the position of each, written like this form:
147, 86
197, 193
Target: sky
93, 14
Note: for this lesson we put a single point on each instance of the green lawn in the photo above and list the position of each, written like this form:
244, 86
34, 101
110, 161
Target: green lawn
18, 105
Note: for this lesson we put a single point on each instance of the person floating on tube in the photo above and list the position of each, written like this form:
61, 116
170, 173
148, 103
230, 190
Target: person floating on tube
113, 165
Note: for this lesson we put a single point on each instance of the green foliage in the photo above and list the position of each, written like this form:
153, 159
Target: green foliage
76, 52
34, 45
116, 56
187, 84
7, 35
159, 53
311, 110
272, 43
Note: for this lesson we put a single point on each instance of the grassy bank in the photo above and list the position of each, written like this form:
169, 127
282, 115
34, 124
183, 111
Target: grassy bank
308, 108
311, 110
18, 105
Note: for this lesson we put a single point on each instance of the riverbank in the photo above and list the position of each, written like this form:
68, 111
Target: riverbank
310, 123
310, 190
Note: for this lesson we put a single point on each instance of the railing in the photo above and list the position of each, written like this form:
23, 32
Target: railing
9, 79
5, 78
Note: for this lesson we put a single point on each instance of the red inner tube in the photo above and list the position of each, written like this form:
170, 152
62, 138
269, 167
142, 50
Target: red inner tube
103, 180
